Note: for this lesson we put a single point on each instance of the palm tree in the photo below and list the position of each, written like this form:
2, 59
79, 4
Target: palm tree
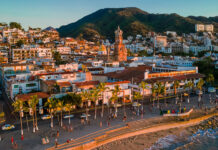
32, 108
137, 96
51, 104
86, 96
188, 86
36, 101
94, 98
154, 91
175, 86
159, 90
60, 107
114, 98
102, 88
165, 93
144, 86
19, 107
210, 79
68, 107
199, 86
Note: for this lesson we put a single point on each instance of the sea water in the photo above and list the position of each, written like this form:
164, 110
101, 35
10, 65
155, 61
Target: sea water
201, 140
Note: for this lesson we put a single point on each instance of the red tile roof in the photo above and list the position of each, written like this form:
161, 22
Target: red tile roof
50, 82
135, 73
64, 84
26, 97
118, 82
55, 73
78, 84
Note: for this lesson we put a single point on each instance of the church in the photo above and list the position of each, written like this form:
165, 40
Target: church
120, 52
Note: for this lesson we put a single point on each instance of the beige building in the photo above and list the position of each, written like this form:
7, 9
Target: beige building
161, 41
202, 28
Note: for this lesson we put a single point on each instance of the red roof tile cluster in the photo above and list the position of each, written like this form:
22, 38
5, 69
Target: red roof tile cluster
50, 82
64, 84
78, 84
118, 82
26, 97
55, 73
130, 73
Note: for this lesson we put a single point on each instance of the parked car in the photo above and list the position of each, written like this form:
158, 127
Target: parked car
68, 116
84, 115
8, 127
45, 117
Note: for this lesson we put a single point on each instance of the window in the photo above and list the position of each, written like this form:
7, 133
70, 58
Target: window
15, 86
31, 85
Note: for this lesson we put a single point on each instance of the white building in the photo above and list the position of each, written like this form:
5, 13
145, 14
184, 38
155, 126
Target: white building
64, 50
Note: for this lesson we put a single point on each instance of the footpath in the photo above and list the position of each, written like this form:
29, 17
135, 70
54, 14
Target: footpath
134, 128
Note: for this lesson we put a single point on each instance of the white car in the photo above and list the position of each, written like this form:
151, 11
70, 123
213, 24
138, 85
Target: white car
84, 115
68, 116
8, 127
45, 117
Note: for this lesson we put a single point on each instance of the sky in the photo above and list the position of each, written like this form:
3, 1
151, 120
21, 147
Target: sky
44, 13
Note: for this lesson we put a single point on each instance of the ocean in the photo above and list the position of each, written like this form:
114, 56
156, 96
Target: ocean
201, 140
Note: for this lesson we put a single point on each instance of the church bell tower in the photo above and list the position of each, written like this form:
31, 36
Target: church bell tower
120, 52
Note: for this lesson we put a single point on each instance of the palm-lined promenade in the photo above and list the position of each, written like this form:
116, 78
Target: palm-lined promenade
85, 130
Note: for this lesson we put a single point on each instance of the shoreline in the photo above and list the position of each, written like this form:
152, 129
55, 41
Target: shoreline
162, 139
148, 128
160, 129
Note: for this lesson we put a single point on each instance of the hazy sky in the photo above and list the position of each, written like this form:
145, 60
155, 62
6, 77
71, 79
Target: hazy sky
44, 13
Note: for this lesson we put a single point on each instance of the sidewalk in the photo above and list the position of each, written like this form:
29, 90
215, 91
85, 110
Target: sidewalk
80, 132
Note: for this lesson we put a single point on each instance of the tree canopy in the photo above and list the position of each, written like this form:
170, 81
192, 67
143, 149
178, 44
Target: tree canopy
15, 25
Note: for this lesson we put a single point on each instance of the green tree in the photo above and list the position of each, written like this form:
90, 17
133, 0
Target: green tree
68, 107
19, 43
199, 86
60, 107
114, 99
19, 107
154, 92
15, 25
32, 108
85, 95
175, 86
137, 96
210, 79
160, 91
143, 85
94, 97
102, 88
189, 86
52, 105
57, 58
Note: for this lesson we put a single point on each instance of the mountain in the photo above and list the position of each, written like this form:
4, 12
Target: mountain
49, 28
132, 21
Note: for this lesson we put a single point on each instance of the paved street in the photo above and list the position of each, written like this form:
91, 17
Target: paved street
33, 140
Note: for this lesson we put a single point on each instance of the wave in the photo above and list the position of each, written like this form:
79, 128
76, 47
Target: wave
202, 139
